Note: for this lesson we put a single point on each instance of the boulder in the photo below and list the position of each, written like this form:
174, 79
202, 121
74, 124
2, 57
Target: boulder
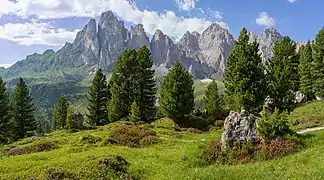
240, 127
300, 97
319, 98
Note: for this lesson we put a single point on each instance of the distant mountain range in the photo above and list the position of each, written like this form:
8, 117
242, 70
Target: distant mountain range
98, 46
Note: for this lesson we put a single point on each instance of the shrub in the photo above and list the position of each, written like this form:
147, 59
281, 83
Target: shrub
219, 123
57, 174
241, 153
148, 140
164, 123
274, 126
113, 167
193, 130
89, 139
130, 135
39, 147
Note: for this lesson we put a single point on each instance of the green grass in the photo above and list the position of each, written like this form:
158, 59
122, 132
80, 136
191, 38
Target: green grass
174, 157
308, 115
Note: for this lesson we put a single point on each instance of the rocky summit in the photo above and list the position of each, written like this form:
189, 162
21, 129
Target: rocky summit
99, 45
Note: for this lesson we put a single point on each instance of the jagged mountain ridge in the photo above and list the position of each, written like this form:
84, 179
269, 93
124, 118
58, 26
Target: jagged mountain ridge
99, 45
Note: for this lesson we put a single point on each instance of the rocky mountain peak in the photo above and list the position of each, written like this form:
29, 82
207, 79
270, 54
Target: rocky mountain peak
189, 42
158, 35
138, 37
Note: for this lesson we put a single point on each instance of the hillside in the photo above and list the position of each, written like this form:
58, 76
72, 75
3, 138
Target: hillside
175, 156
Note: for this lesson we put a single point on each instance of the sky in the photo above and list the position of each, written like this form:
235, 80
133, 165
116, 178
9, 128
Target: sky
29, 26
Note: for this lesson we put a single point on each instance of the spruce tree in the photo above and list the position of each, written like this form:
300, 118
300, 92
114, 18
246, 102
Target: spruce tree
135, 113
244, 77
60, 113
213, 101
177, 94
146, 89
124, 86
22, 110
281, 75
5, 118
305, 70
318, 64
97, 100
69, 115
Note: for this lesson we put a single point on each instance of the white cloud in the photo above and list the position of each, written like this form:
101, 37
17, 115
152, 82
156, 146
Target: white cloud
5, 65
31, 33
292, 1
186, 5
167, 21
265, 20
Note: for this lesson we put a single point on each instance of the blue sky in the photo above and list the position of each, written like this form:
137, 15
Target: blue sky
28, 26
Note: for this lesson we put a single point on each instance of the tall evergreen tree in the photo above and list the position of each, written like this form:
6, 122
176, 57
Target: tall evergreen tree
146, 89
69, 122
60, 113
5, 118
318, 64
244, 77
124, 85
22, 110
213, 101
281, 75
177, 93
305, 70
97, 99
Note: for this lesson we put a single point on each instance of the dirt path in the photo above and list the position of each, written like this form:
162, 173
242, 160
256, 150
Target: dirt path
310, 130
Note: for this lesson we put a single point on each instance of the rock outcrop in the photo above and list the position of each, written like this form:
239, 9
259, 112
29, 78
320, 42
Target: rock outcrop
240, 127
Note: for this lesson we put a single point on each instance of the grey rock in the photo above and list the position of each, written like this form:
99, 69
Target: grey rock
138, 38
113, 37
266, 41
319, 98
240, 127
300, 97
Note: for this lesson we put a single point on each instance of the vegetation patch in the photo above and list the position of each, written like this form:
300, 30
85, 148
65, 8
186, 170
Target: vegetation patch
89, 139
193, 130
57, 174
113, 167
242, 153
39, 147
165, 123
132, 136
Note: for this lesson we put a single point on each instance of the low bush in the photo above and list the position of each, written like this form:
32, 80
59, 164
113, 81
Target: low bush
193, 130
241, 153
164, 123
38, 147
89, 139
57, 174
219, 123
131, 135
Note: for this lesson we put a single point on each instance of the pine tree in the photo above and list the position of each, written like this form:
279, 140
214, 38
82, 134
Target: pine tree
69, 122
124, 86
39, 126
147, 90
98, 98
305, 70
244, 77
22, 110
5, 118
60, 113
213, 101
318, 64
177, 94
281, 75
135, 113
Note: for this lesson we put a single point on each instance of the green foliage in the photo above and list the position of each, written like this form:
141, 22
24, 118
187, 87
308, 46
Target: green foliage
22, 110
69, 122
124, 88
318, 64
135, 113
282, 75
97, 100
213, 103
177, 94
5, 116
133, 80
59, 114
89, 139
305, 70
132, 136
244, 76
146, 85
274, 126
38, 147
244, 153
